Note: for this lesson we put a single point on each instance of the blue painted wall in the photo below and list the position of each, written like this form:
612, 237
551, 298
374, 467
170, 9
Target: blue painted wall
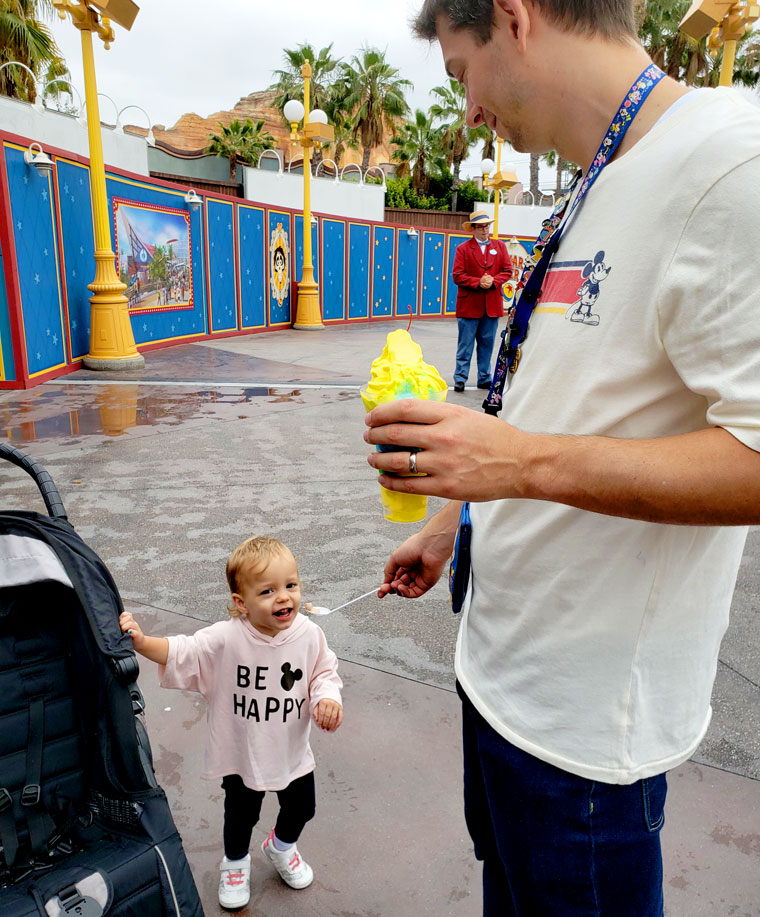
333, 274
358, 270
172, 324
252, 267
222, 285
384, 249
37, 262
408, 264
365, 271
279, 309
6, 346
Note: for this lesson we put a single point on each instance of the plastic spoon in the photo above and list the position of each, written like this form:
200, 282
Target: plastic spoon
321, 610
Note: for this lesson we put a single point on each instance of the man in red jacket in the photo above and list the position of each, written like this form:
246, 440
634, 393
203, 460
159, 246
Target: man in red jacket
481, 266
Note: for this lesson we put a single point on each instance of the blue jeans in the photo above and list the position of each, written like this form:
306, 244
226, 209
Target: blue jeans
554, 844
471, 330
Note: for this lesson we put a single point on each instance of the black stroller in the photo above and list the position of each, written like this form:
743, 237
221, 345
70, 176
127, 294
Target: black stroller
85, 829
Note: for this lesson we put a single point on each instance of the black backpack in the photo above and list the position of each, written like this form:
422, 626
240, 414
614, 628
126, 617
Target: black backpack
85, 829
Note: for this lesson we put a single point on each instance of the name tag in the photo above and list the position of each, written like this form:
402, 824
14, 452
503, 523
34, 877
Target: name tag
492, 251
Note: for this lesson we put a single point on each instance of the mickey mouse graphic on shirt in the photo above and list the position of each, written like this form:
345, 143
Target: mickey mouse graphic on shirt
594, 272
289, 677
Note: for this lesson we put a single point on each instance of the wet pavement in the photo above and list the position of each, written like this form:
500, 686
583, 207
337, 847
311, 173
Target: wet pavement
164, 471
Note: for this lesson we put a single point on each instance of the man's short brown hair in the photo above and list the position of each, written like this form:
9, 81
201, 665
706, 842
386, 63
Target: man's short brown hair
612, 19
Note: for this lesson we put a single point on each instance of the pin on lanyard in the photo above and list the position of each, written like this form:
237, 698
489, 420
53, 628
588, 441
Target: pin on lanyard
510, 344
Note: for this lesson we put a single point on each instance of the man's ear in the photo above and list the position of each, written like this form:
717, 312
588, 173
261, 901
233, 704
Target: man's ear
514, 16
239, 603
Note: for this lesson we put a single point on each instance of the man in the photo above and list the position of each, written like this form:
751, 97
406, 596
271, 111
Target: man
609, 501
481, 267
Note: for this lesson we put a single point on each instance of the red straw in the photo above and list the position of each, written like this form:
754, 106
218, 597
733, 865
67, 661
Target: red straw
411, 316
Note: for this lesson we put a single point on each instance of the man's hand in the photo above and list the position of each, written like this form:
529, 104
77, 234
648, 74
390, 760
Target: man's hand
466, 455
707, 477
417, 564
486, 281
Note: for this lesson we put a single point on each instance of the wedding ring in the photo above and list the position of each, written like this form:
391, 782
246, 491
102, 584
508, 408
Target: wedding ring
413, 463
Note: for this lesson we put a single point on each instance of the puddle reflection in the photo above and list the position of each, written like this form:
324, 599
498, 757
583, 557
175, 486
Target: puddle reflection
118, 408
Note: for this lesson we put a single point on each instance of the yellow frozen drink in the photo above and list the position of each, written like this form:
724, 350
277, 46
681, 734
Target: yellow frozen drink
400, 372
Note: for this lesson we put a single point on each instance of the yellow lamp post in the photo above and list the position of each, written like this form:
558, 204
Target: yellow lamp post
499, 181
112, 344
727, 22
314, 132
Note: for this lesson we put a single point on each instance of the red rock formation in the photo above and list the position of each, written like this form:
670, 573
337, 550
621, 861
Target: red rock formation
191, 132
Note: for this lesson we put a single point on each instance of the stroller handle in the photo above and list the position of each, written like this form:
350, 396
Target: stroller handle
42, 479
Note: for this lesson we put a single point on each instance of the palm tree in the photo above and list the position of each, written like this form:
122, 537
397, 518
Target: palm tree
344, 130
240, 143
158, 269
419, 150
57, 82
682, 57
747, 65
552, 158
26, 40
289, 84
457, 137
489, 143
534, 189
374, 95
678, 55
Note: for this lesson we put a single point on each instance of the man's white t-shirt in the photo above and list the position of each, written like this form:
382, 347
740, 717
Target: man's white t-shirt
592, 641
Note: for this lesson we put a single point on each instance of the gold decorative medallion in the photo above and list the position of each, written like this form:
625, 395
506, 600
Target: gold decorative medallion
279, 252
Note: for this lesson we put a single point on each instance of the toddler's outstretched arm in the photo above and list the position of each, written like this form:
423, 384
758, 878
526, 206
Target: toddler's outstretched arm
154, 648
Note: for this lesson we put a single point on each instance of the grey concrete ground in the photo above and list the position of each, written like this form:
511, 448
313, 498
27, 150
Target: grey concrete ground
165, 470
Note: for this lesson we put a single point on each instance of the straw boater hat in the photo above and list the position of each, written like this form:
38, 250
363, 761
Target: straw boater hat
477, 218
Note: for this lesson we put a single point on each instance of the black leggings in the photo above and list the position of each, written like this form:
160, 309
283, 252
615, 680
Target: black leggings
242, 807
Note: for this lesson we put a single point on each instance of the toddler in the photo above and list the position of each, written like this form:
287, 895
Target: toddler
264, 673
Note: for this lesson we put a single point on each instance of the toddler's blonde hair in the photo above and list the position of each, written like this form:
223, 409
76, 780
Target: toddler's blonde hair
252, 556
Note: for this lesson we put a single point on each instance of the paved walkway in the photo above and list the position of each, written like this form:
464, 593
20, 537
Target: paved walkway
164, 471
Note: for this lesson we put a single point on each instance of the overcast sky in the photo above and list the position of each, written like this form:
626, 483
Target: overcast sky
187, 56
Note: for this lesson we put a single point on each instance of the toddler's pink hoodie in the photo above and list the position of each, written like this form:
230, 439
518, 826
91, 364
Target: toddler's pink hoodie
260, 691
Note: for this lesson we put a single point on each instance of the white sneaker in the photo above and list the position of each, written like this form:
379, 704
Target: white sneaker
235, 882
292, 869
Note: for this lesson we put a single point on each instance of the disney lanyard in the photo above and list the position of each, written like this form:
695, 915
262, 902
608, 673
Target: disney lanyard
515, 334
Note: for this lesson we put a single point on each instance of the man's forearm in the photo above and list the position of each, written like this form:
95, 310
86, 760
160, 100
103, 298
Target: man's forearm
445, 522
702, 478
